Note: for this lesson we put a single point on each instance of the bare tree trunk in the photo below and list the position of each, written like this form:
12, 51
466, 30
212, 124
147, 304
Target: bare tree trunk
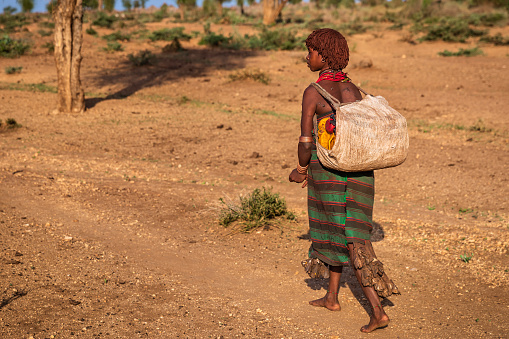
68, 17
182, 14
100, 5
271, 10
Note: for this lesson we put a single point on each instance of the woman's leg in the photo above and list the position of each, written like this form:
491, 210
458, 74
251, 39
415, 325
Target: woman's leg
330, 301
378, 317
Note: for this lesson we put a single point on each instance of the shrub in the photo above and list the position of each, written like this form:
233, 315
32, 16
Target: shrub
496, 39
450, 30
246, 74
142, 58
113, 47
462, 52
10, 123
117, 36
487, 19
13, 69
104, 20
214, 40
91, 31
10, 48
255, 210
169, 34
12, 23
284, 39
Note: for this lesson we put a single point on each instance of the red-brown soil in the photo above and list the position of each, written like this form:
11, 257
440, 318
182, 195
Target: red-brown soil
109, 218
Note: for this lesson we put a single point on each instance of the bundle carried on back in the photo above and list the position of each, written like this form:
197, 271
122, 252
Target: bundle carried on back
370, 135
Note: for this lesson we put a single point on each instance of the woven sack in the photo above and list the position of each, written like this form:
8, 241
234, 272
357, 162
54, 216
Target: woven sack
370, 135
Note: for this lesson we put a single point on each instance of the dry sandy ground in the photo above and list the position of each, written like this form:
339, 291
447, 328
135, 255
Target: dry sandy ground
109, 218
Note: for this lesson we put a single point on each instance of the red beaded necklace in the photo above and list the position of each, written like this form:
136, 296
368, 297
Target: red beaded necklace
333, 75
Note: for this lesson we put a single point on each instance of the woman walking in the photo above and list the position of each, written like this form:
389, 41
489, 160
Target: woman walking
339, 203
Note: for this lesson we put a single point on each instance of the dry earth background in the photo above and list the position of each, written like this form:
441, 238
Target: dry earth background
109, 218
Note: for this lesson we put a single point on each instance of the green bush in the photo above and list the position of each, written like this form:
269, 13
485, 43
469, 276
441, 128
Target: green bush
487, 19
496, 39
142, 58
215, 40
450, 30
267, 39
91, 31
12, 23
462, 52
104, 20
11, 48
114, 46
255, 210
13, 69
117, 36
10, 123
169, 34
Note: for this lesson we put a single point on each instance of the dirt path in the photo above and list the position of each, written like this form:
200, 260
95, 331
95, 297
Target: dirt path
108, 219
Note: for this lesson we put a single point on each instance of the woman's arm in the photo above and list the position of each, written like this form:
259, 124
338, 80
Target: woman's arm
306, 126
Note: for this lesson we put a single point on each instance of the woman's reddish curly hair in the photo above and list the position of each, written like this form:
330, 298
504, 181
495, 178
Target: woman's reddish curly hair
331, 45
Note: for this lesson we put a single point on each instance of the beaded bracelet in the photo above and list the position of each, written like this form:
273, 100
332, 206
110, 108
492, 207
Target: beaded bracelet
305, 139
302, 170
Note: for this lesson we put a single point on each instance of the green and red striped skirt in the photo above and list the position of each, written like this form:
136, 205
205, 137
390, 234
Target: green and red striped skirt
340, 206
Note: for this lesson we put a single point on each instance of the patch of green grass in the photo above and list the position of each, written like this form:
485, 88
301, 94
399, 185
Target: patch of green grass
466, 258
13, 69
465, 210
142, 58
248, 74
462, 52
113, 47
254, 211
11, 48
43, 88
431, 207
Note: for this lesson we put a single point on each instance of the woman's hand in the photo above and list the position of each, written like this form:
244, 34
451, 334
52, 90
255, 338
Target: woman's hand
297, 177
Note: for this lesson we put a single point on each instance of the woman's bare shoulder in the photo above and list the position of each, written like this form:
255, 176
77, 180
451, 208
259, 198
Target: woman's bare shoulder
349, 92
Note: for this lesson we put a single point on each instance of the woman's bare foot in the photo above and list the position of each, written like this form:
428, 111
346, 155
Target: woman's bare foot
330, 302
377, 320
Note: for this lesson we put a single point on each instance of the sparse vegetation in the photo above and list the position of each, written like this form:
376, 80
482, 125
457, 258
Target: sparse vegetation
91, 31
250, 74
466, 258
13, 69
449, 29
11, 48
497, 39
142, 58
254, 210
117, 36
9, 124
462, 52
104, 20
113, 47
169, 34
50, 46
